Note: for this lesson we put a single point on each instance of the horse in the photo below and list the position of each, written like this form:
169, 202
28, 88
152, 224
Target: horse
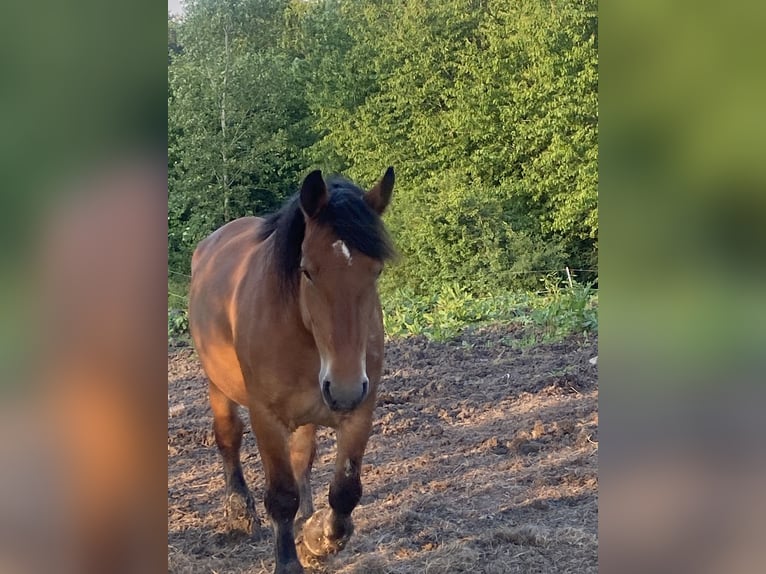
286, 319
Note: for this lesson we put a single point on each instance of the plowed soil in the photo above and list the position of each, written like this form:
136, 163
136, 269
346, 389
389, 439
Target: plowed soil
483, 459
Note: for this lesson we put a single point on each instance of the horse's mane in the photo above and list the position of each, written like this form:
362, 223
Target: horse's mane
346, 213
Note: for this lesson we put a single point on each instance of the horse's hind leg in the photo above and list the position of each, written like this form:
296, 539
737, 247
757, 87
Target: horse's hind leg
302, 453
239, 507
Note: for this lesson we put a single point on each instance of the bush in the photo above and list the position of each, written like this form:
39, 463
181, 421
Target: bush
178, 324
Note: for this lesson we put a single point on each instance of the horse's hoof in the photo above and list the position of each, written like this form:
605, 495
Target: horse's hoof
318, 538
239, 512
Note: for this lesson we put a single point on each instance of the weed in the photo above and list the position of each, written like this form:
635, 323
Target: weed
561, 311
553, 314
178, 323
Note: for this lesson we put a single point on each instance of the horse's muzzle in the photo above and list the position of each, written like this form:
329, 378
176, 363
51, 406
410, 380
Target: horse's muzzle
344, 398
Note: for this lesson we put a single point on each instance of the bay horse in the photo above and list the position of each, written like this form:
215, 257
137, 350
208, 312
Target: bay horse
285, 317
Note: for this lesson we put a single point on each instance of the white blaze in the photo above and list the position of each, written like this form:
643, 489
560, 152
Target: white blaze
341, 249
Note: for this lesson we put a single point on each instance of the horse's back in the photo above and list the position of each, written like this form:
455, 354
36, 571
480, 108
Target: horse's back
227, 239
219, 264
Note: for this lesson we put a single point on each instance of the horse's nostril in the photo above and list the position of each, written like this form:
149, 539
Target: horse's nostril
365, 385
326, 388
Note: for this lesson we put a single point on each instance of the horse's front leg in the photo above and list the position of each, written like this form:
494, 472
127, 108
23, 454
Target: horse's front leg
282, 497
302, 453
328, 531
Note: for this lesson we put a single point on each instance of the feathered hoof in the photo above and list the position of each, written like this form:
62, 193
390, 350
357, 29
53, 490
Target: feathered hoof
317, 537
239, 512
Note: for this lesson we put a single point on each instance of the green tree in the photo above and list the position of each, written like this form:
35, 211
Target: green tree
488, 110
237, 118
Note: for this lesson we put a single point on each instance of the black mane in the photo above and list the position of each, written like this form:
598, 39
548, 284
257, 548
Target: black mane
346, 213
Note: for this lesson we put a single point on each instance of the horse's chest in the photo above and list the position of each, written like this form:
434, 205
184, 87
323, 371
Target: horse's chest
308, 407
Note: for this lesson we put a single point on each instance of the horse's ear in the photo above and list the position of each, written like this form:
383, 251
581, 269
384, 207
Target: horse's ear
314, 194
380, 194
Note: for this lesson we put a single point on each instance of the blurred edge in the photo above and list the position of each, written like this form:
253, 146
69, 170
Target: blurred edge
83, 223
683, 278
83, 253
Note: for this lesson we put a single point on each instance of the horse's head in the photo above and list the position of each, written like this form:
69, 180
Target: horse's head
342, 255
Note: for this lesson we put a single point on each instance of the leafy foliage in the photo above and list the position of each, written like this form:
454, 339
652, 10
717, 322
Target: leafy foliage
487, 109
178, 323
178, 316
562, 311
549, 315
236, 119
489, 112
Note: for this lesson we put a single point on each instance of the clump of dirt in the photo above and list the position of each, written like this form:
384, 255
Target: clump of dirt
483, 458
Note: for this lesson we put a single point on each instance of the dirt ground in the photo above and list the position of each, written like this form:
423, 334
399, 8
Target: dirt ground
483, 458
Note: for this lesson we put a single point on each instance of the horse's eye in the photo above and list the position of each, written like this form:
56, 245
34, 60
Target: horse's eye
306, 273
